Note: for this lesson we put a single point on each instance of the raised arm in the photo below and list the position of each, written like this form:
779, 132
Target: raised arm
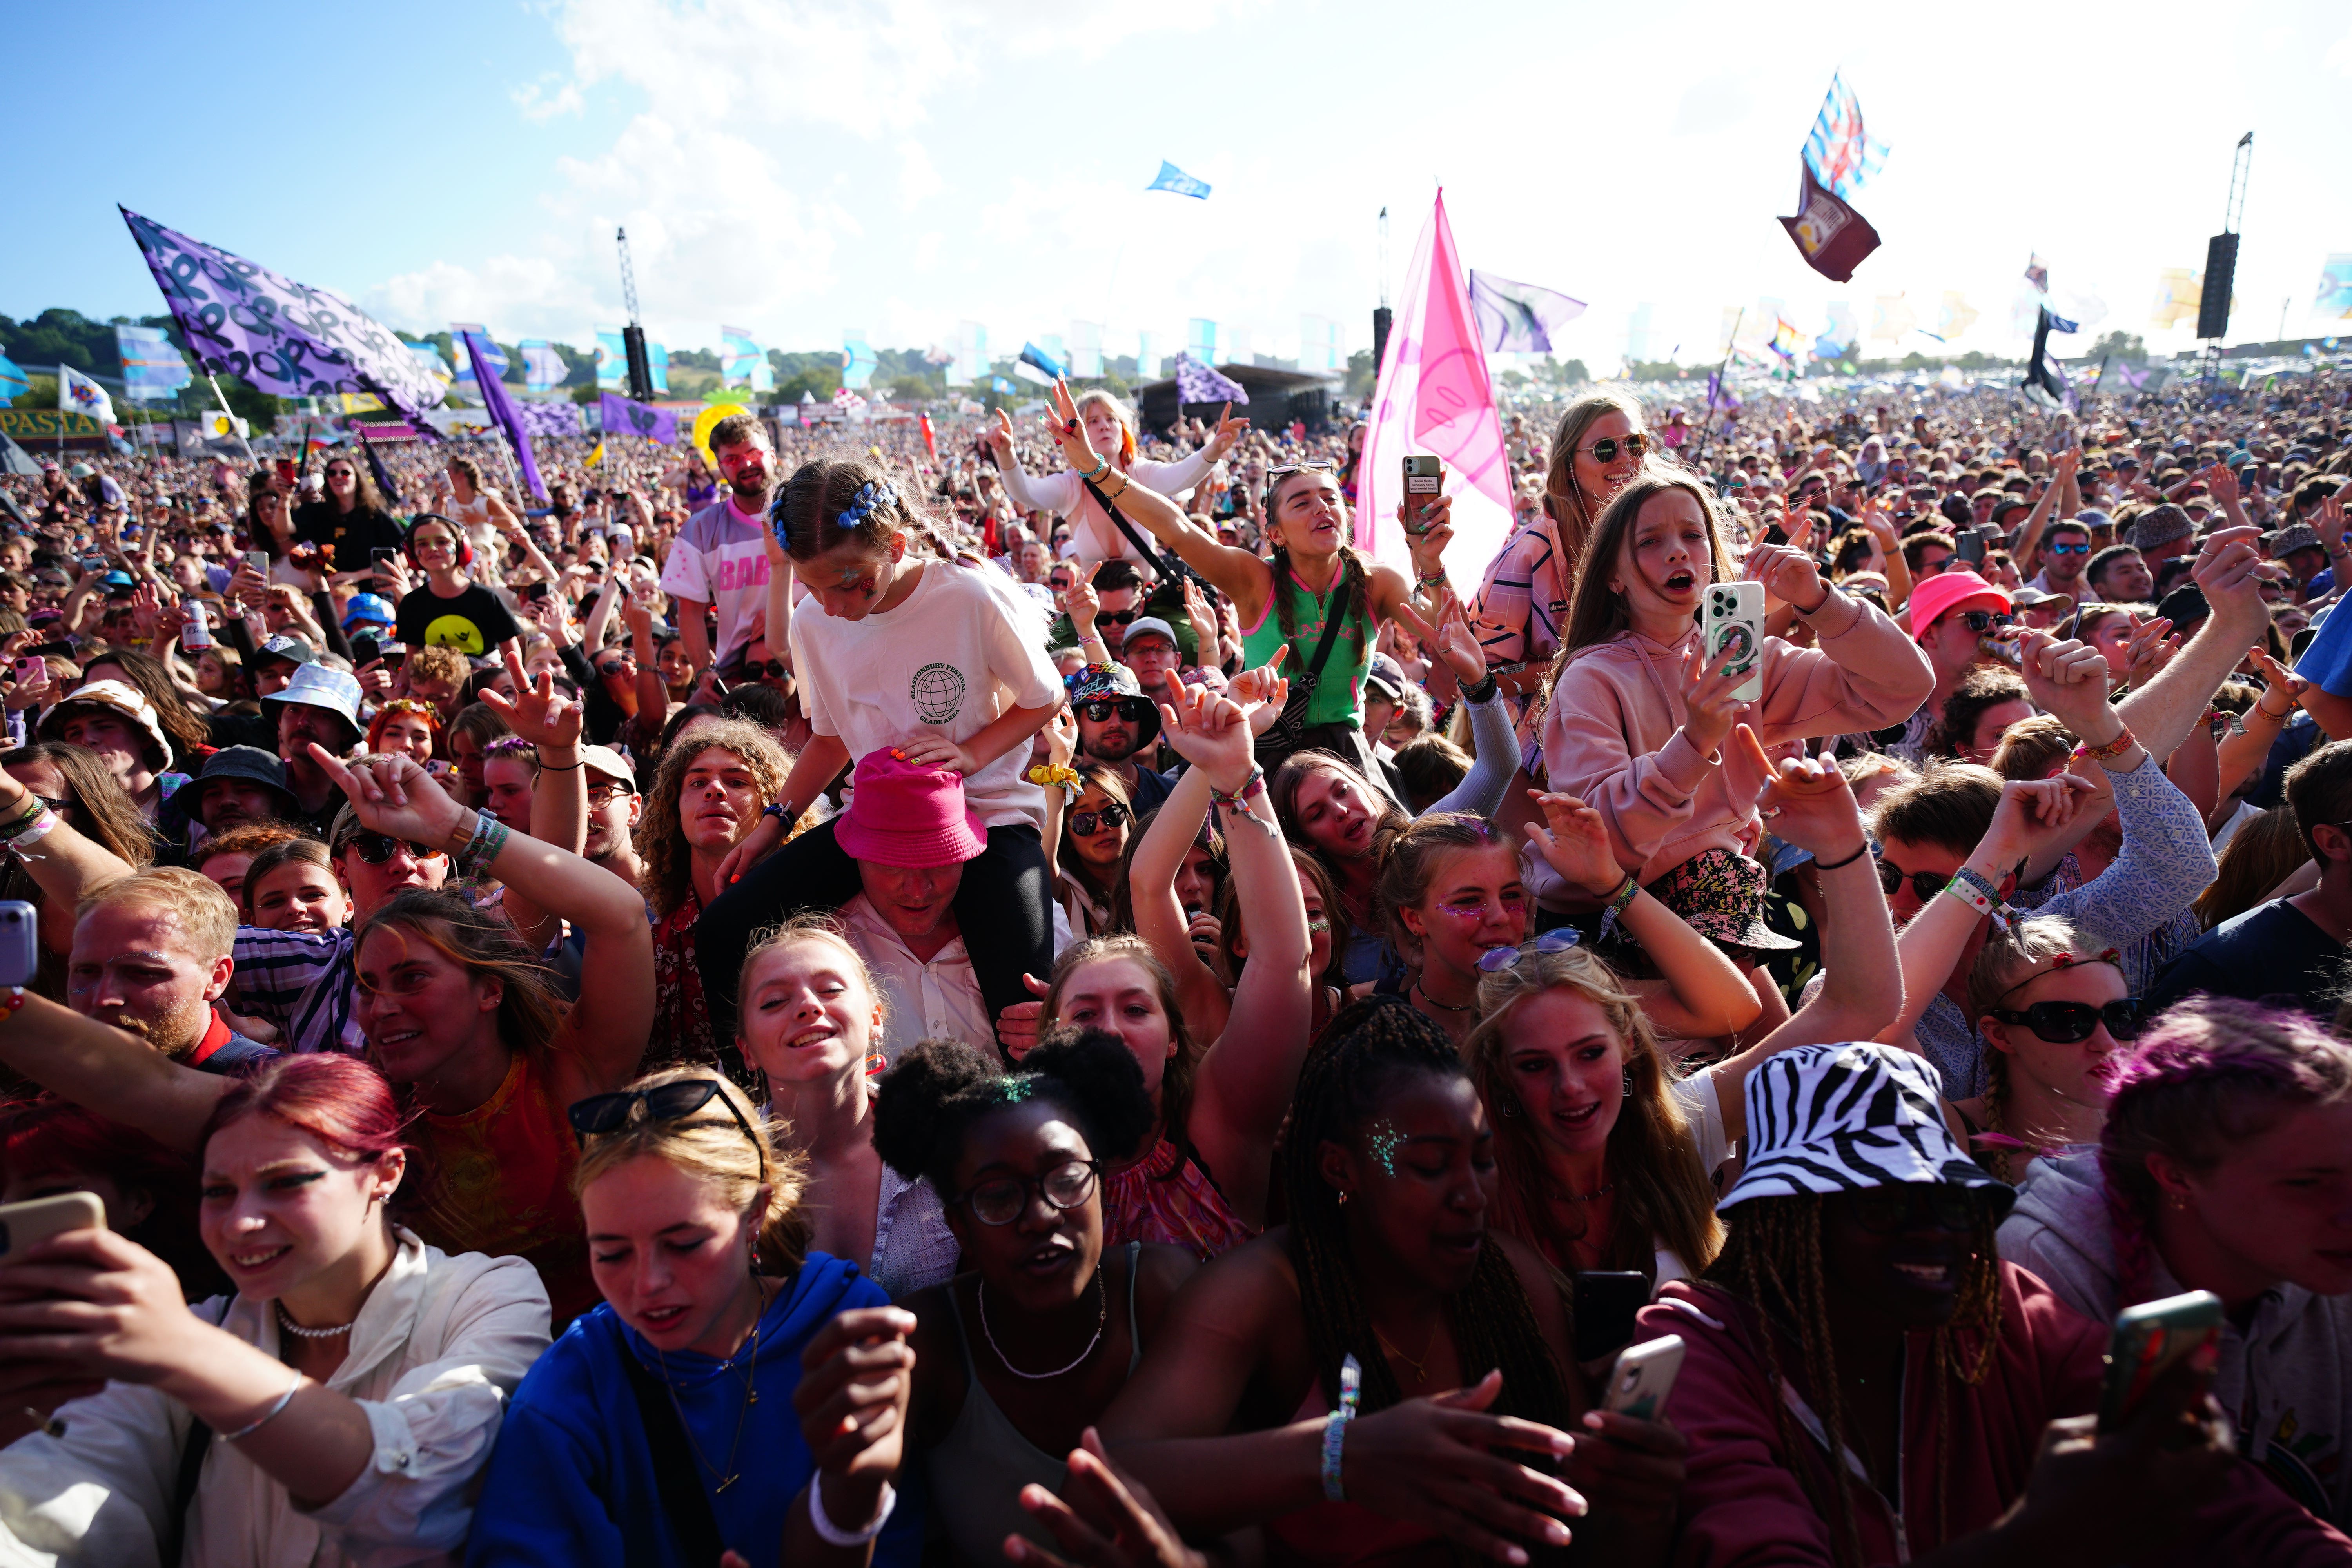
63, 864
2230, 572
1058, 493
1495, 753
109, 1071
559, 802
2247, 749
1159, 916
615, 1012
2028, 553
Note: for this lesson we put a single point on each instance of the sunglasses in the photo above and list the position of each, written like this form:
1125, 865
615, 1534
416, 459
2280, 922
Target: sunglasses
1083, 823
602, 1114
2082, 548
1495, 959
375, 848
1275, 475
2063, 1023
1982, 621
1001, 1200
774, 669
617, 666
1907, 1204
1101, 710
1605, 449
1116, 617
1926, 885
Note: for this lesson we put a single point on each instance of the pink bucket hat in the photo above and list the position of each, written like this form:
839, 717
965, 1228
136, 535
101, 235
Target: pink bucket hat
1951, 591
901, 814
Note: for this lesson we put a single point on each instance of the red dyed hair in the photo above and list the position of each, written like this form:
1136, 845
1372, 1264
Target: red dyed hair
341, 1102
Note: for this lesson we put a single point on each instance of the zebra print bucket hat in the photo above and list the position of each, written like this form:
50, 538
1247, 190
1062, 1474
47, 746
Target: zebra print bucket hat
1834, 1118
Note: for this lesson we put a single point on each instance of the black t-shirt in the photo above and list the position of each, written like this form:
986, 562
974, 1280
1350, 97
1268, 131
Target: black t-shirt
474, 623
353, 535
2274, 950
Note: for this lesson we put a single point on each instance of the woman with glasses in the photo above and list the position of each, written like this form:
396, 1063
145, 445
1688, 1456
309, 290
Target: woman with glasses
1020, 1354
738, 1397
1110, 428
270, 527
1092, 848
2055, 1015
337, 1409
1597, 446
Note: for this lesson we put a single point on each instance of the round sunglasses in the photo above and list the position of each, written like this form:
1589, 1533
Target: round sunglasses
2063, 1023
1605, 449
1926, 885
1083, 823
375, 848
1001, 1199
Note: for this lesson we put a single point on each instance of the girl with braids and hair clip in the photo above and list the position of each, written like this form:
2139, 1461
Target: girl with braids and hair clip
2054, 1015
1379, 1379
943, 664
1018, 1356
1317, 581
2225, 1165
1865, 1380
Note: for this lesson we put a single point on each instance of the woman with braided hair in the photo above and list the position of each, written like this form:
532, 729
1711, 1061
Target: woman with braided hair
1243, 1410
1865, 1381
2224, 1165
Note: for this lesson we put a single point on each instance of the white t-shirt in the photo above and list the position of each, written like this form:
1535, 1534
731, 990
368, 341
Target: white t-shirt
722, 558
962, 648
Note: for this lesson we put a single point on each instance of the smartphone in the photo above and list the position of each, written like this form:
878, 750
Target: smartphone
286, 470
1970, 546
1424, 481
1644, 1374
259, 559
535, 591
32, 669
2148, 1340
1606, 1301
20, 944
1734, 619
365, 650
27, 1225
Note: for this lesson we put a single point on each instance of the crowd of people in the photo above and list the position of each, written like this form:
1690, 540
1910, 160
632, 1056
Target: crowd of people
976, 992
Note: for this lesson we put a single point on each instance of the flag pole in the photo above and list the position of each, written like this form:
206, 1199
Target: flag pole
234, 428
1707, 430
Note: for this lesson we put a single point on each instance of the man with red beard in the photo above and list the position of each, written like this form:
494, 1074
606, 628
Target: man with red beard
720, 556
151, 955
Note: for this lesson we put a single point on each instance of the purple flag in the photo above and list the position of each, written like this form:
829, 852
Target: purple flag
551, 418
1198, 383
501, 408
624, 416
286, 338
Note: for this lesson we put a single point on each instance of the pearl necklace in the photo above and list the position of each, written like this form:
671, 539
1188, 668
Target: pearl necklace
1102, 1317
299, 1332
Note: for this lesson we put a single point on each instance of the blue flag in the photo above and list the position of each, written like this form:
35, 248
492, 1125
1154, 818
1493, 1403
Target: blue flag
13, 383
1841, 154
500, 407
998, 384
1031, 355
1177, 181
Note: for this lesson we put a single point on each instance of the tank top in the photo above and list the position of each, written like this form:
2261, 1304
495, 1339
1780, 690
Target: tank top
1165, 1197
1339, 695
976, 1472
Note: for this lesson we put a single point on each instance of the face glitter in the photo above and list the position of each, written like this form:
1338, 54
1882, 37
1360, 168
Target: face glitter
1382, 1143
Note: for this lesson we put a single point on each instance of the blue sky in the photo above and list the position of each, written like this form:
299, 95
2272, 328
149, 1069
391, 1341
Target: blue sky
799, 168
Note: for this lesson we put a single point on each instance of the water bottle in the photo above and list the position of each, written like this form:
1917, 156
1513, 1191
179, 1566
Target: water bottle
196, 634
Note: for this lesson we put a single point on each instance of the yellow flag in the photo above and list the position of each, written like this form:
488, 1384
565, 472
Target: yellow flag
597, 456
2178, 294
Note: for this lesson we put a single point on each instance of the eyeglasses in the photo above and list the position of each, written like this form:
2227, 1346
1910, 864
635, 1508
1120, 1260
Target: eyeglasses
2063, 1023
1001, 1200
1495, 959
2081, 548
375, 848
604, 791
1932, 568
1982, 621
1101, 710
1924, 884
1884, 1210
602, 1114
1605, 449
1083, 823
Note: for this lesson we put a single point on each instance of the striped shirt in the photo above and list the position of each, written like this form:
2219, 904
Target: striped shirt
304, 984
1521, 607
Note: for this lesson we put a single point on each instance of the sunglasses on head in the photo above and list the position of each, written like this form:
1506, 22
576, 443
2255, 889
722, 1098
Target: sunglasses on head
1924, 884
1495, 959
1884, 1210
1101, 710
1605, 449
1275, 475
601, 1114
1083, 823
2063, 1023
375, 848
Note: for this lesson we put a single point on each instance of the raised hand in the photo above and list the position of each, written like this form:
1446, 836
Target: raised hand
1574, 841
1082, 604
1787, 574
1071, 431
2067, 679
2149, 650
539, 713
1229, 430
1209, 731
2230, 569
1441, 1463
999, 437
2032, 812
391, 796
1108, 1520
2220, 482
1709, 709
2277, 678
1447, 633
857, 1376
1016, 1026
1806, 800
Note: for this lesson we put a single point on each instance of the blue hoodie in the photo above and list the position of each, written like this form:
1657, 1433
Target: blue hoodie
571, 1480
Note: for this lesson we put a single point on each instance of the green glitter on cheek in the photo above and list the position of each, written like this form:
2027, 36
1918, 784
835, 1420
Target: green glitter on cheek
1383, 1142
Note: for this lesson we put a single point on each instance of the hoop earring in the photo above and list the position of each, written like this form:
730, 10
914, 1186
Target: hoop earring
1508, 1104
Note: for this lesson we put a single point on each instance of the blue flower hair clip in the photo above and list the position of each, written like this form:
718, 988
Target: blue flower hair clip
862, 505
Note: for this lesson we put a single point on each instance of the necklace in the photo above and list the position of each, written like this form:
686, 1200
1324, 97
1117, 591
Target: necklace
721, 1482
299, 1332
1595, 1195
1102, 1317
1449, 1007
1419, 1373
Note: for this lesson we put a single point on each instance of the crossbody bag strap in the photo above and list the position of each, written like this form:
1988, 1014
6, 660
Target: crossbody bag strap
1172, 570
1302, 686
684, 1501
198, 1443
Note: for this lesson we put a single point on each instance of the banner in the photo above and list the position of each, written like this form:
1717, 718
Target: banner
1047, 362
286, 338
1953, 317
1086, 350
857, 358
360, 403
1838, 151
49, 424
970, 367
542, 367
1516, 318
1892, 320
14, 382
151, 365
2334, 301
500, 406
745, 363
1198, 383
1147, 356
549, 418
658, 366
1177, 181
622, 417
612, 360
1434, 395
429, 359
78, 393
495, 356
2179, 294
1320, 345
1831, 237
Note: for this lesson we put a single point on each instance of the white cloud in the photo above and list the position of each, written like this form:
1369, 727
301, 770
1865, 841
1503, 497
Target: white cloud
918, 177
540, 105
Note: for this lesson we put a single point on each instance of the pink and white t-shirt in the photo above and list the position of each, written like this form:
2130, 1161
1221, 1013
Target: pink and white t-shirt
720, 558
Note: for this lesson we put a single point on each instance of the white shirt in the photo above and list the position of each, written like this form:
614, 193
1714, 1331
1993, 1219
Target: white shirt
963, 647
936, 1001
439, 1345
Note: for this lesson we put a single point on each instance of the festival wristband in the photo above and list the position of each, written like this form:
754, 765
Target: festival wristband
832, 1533
2124, 741
1253, 786
1976, 901
1484, 693
1334, 1427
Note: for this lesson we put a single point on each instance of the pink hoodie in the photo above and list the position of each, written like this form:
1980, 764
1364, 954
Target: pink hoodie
1612, 733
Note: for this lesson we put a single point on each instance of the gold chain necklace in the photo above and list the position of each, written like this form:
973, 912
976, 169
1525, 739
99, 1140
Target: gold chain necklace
749, 1355
1420, 1368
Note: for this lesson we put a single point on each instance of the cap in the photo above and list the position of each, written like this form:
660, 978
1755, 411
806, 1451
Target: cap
286, 647
119, 695
1150, 625
79, 471
1386, 677
609, 764
2029, 598
1948, 591
372, 608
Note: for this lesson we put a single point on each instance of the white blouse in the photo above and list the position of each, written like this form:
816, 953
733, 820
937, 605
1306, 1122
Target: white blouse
435, 1349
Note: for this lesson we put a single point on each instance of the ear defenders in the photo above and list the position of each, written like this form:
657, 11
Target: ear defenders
408, 540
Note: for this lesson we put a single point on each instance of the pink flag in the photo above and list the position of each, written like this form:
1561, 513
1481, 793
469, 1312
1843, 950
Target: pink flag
1436, 397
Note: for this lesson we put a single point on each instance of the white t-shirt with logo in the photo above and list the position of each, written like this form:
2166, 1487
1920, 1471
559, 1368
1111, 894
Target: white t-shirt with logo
720, 558
962, 648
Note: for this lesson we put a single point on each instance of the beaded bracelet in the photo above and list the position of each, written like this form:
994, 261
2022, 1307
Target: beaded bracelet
1102, 467
832, 1533
1334, 1427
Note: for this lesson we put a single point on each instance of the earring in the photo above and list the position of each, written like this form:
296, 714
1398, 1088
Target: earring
1629, 1083
1343, 1197
1508, 1104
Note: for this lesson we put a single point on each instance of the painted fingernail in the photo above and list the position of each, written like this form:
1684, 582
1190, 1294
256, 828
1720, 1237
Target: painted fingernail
1592, 1419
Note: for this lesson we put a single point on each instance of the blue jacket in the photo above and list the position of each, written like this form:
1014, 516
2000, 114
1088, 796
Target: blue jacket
571, 1480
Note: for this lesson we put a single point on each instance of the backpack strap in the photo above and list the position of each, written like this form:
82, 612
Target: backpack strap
685, 1503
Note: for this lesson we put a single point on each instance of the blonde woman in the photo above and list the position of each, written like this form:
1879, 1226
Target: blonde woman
737, 1393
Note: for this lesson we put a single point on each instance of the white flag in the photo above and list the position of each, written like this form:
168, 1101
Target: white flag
77, 394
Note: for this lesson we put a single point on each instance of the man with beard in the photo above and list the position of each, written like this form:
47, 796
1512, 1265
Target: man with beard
1117, 721
151, 955
720, 557
319, 705
614, 805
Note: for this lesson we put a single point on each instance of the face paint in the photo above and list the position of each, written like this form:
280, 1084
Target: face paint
1013, 1091
1382, 1143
